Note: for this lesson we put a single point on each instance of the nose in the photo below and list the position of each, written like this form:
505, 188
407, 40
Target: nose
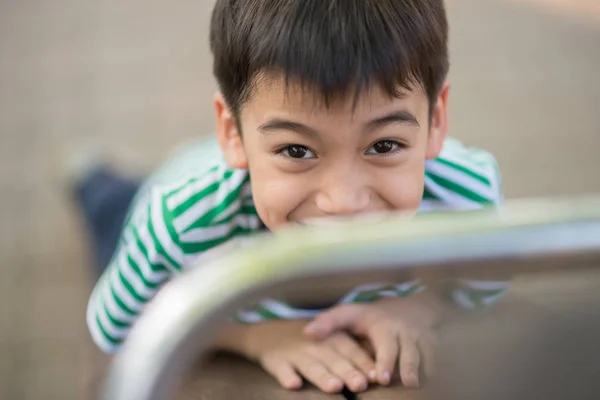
343, 194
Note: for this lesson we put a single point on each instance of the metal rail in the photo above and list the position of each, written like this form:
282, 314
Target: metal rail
531, 236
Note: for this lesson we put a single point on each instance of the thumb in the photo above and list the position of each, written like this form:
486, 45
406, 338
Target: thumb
345, 317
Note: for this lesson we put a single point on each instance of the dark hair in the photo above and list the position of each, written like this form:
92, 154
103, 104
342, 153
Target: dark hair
334, 47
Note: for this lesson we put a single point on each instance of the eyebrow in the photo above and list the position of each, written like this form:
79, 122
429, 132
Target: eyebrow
277, 124
396, 117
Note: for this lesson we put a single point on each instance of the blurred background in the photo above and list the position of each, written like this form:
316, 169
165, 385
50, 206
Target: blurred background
135, 78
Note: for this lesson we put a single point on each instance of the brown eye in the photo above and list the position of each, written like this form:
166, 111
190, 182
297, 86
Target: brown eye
384, 147
297, 152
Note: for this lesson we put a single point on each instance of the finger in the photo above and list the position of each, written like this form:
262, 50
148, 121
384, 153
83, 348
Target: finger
357, 354
284, 372
316, 373
368, 346
340, 366
427, 349
410, 359
346, 317
385, 342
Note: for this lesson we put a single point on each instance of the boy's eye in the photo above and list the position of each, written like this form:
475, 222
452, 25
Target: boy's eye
384, 147
297, 152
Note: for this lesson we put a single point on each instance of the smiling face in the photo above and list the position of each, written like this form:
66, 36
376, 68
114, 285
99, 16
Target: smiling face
309, 161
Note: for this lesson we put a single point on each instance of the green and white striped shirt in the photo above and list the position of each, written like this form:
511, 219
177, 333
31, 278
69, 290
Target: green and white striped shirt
196, 207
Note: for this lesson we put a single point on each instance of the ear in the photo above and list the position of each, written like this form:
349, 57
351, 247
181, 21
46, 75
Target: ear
230, 139
439, 124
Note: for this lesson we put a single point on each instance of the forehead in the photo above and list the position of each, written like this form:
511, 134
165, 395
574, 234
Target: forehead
272, 95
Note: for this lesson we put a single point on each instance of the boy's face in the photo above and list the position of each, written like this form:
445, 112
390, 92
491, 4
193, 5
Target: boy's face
307, 161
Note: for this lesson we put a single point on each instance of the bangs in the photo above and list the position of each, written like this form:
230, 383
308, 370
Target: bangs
335, 49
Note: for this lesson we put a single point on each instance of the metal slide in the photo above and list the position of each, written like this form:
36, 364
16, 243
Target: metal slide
527, 236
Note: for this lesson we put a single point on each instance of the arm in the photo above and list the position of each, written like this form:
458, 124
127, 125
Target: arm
233, 338
141, 265
173, 229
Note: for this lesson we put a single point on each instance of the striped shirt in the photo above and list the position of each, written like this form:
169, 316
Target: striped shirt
196, 207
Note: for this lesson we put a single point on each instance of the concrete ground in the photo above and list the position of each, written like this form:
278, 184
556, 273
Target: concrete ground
135, 77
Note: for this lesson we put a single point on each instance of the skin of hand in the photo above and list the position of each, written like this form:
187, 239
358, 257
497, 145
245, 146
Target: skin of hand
398, 329
283, 350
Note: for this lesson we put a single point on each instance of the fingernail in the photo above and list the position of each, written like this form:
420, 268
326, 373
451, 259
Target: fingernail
294, 384
335, 384
415, 379
372, 376
359, 384
385, 378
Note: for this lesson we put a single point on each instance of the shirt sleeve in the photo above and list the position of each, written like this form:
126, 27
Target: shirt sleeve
174, 229
146, 258
475, 293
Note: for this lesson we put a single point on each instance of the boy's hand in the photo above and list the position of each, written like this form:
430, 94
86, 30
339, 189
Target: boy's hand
284, 352
396, 328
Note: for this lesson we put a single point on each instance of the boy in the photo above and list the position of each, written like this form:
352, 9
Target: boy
326, 108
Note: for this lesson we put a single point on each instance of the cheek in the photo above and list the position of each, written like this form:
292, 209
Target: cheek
404, 190
276, 195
